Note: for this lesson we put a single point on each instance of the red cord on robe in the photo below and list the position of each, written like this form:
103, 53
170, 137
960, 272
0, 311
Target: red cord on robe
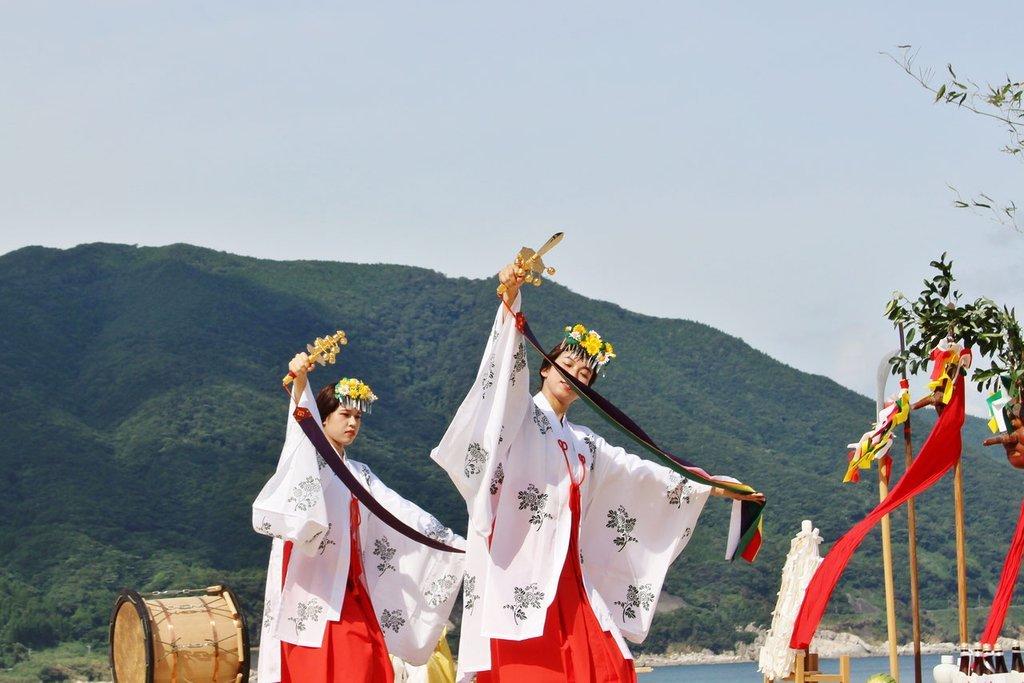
1007, 582
940, 452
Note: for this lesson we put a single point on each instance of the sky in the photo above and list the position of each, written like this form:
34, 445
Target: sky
758, 167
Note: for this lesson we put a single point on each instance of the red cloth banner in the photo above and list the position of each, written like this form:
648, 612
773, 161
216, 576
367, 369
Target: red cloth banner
1007, 582
940, 452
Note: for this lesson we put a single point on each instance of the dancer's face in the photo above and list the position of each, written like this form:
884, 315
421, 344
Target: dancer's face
342, 426
557, 386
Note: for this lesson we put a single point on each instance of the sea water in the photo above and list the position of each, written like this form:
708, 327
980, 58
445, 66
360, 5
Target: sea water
861, 669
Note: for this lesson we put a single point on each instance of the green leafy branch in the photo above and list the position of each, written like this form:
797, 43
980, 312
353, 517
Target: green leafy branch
1003, 103
938, 313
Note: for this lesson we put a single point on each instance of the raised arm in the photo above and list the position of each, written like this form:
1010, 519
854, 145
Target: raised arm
512, 277
291, 504
477, 440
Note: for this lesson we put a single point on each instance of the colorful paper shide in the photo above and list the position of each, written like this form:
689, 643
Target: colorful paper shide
877, 441
997, 402
947, 358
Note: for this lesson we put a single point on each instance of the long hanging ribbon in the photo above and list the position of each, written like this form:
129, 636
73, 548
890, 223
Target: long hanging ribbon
1007, 582
938, 454
751, 512
315, 433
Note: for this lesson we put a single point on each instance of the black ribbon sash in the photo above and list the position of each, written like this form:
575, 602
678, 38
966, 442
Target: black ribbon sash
316, 436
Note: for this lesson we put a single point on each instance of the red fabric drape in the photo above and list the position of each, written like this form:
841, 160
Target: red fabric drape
940, 452
1007, 582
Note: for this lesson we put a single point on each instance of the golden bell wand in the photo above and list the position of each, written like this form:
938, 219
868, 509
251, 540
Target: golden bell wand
324, 350
532, 262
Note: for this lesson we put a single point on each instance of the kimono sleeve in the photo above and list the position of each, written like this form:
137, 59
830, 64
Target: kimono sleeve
412, 587
291, 504
476, 443
638, 517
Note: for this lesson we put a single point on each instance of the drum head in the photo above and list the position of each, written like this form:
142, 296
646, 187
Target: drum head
131, 650
246, 653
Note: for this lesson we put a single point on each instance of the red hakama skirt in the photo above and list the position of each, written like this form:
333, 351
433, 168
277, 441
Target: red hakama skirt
353, 649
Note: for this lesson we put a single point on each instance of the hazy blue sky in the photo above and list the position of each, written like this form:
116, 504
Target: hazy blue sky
755, 166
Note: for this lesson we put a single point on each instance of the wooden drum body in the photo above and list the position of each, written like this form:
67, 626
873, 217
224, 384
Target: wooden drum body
187, 636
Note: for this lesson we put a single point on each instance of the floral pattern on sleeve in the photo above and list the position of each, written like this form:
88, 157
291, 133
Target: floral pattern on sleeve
392, 619
636, 597
678, 492
524, 598
469, 595
440, 590
476, 456
498, 479
383, 550
623, 525
518, 364
306, 611
541, 420
304, 494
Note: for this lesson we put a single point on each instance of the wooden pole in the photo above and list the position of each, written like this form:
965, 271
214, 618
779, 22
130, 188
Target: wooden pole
961, 549
890, 590
915, 597
883, 491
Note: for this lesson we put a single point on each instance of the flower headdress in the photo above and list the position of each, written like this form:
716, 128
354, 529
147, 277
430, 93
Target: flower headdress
587, 344
354, 393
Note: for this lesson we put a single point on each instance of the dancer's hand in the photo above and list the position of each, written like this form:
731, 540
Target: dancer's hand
513, 277
299, 366
755, 496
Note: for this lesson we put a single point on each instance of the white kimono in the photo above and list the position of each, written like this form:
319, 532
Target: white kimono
412, 587
502, 451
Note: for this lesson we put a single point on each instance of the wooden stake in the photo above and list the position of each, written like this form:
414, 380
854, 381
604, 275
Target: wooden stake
890, 590
915, 597
961, 549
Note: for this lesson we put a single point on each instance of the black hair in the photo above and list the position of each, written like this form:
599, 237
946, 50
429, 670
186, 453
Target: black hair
553, 354
326, 401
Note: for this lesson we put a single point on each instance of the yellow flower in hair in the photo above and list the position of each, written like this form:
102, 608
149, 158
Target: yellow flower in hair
591, 344
352, 390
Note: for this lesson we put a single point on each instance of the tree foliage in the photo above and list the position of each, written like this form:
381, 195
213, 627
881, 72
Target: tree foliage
940, 312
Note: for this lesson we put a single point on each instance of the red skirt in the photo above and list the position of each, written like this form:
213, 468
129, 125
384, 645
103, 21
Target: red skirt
573, 647
353, 649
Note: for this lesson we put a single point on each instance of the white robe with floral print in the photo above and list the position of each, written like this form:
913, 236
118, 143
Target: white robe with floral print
504, 453
412, 587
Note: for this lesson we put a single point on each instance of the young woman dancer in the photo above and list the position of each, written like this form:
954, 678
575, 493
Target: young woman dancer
343, 588
569, 536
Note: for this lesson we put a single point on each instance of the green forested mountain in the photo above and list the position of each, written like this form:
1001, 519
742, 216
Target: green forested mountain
142, 412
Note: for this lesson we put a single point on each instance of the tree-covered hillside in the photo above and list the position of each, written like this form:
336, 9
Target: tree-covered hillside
142, 412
